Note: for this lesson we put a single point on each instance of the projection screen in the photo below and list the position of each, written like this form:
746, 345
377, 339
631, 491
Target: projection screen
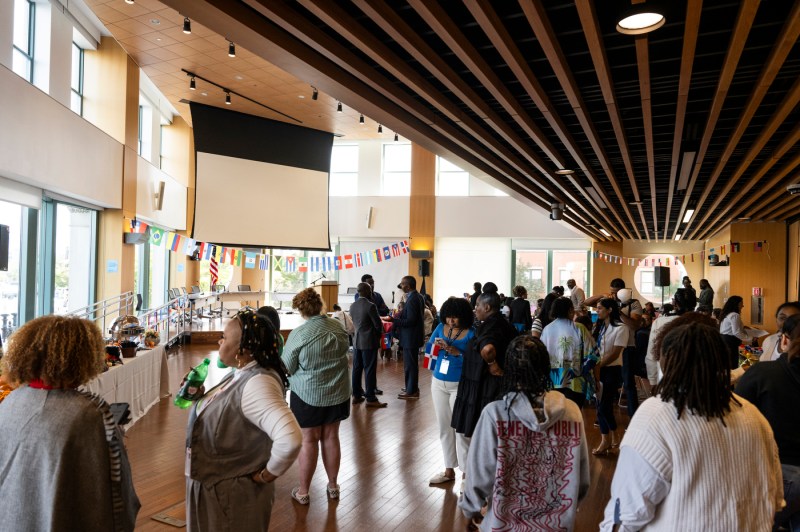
259, 182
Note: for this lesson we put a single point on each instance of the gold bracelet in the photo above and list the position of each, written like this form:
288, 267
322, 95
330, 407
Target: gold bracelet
492, 362
261, 475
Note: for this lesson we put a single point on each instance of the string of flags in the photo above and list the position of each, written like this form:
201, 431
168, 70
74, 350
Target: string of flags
251, 260
733, 247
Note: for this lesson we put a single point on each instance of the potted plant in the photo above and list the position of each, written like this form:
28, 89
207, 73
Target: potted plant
151, 338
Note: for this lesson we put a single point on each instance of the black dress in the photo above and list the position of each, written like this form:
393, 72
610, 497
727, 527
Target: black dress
477, 387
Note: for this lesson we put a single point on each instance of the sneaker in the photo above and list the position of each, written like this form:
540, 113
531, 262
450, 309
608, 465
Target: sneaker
357, 400
378, 391
441, 478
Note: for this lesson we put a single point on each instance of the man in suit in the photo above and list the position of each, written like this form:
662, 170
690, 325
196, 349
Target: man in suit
383, 310
409, 328
367, 339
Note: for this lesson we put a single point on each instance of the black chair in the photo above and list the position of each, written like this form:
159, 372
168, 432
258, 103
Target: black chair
138, 302
244, 288
195, 289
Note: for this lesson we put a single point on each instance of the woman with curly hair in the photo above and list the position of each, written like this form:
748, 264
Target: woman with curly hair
315, 356
241, 434
528, 456
62, 456
690, 440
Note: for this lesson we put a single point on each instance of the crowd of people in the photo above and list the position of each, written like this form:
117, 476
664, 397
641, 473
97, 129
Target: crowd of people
508, 388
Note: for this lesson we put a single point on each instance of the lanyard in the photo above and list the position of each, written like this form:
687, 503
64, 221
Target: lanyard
450, 338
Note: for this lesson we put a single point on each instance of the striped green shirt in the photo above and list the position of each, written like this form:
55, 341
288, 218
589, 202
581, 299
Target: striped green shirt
315, 356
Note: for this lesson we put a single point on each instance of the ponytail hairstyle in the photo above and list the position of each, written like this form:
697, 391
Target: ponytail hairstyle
614, 319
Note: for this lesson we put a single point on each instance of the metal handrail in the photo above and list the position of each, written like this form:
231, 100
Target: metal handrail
113, 307
169, 318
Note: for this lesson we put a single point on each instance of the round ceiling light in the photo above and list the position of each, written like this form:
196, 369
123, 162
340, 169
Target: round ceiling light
640, 22
565, 171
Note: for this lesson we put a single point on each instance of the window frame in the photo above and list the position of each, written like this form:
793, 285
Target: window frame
79, 91
388, 173
30, 54
349, 173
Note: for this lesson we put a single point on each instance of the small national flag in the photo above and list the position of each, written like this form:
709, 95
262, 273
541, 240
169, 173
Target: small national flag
359, 258
213, 270
722, 249
395, 250
249, 260
337, 262
692, 255
291, 264
404, 246
204, 248
326, 264
137, 226
302, 264
378, 254
238, 257
156, 236
262, 261
735, 247
387, 253
218, 253
758, 247
174, 241
667, 261
188, 245
659, 262
314, 264
431, 355
348, 262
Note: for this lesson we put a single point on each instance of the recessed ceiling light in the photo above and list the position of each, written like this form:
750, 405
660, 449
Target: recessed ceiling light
158, 39
565, 171
301, 96
688, 216
635, 202
744, 218
237, 76
678, 236
204, 93
606, 233
155, 21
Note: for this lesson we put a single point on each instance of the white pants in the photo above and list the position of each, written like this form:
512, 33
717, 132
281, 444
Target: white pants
454, 445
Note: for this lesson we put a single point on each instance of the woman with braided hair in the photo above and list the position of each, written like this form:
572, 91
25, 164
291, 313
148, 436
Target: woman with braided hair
62, 456
241, 434
528, 456
692, 439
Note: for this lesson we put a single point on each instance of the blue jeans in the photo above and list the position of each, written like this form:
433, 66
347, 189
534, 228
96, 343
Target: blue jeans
611, 377
790, 516
630, 367
364, 361
411, 368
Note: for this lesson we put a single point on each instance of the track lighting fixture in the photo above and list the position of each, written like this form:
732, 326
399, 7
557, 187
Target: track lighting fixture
187, 25
227, 97
339, 107
396, 138
231, 49
315, 94
361, 119
192, 84
380, 128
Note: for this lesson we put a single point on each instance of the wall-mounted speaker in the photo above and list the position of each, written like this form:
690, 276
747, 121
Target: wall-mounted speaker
369, 218
421, 254
158, 198
661, 275
424, 268
5, 245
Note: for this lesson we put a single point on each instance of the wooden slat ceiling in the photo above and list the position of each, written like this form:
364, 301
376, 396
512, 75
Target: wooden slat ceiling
518, 90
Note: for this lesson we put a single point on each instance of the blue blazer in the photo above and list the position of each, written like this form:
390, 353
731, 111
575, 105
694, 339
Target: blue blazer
410, 326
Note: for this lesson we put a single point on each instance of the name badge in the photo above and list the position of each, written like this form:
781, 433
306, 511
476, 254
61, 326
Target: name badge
443, 365
188, 462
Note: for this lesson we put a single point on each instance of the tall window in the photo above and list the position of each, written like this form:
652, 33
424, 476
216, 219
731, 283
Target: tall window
396, 169
344, 170
24, 19
538, 270
74, 257
451, 180
531, 272
76, 101
11, 225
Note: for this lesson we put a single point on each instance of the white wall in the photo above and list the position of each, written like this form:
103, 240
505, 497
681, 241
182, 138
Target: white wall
6, 32
44, 144
390, 216
462, 261
173, 211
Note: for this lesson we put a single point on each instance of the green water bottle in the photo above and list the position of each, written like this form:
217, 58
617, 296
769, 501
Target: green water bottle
190, 390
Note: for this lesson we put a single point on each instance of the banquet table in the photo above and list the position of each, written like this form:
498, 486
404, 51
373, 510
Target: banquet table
140, 381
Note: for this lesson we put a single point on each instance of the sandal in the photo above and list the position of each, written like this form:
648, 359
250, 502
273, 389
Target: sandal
441, 478
333, 492
302, 499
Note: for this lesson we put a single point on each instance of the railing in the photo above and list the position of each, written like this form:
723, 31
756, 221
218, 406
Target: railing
106, 311
169, 320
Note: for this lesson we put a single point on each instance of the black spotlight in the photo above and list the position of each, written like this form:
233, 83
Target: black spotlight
192, 84
315, 94
187, 25
231, 49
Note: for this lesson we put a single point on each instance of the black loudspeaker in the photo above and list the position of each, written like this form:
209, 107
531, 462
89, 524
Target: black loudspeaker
661, 275
424, 268
5, 243
420, 253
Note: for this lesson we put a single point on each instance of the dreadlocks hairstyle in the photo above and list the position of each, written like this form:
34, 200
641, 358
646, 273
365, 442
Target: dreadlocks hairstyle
791, 328
261, 340
697, 375
612, 305
526, 369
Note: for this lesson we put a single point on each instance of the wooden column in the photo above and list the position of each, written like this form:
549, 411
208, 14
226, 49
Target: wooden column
422, 208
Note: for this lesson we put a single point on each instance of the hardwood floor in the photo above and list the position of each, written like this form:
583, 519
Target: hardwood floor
388, 455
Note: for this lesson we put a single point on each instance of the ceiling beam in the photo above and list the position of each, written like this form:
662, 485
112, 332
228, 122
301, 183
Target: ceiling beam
744, 21
537, 18
594, 40
643, 62
790, 208
780, 51
691, 29
744, 198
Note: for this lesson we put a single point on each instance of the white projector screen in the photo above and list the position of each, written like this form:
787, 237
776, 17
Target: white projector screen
259, 182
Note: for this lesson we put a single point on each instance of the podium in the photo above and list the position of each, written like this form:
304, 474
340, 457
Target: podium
329, 290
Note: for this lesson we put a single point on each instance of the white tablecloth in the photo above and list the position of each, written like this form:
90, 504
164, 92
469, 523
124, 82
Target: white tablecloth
140, 381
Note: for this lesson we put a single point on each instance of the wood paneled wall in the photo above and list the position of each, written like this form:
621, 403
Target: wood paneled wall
793, 269
422, 208
603, 272
719, 277
765, 269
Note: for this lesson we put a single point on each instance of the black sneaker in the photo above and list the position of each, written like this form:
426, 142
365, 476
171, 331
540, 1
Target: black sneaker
378, 391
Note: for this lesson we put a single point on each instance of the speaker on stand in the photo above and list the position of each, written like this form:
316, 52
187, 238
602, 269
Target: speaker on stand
661, 278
